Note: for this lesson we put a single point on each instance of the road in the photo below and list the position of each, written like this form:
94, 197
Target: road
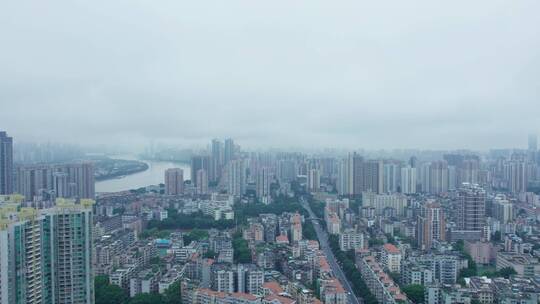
322, 235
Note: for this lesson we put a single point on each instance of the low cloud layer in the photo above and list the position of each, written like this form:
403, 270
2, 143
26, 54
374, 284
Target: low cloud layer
347, 74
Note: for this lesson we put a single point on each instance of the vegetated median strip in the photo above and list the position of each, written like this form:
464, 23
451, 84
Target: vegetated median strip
352, 273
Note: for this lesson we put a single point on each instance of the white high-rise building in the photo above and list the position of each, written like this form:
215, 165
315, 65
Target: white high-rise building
515, 173
408, 180
380, 202
438, 176
250, 279
314, 180
345, 176
391, 174
236, 177
351, 240
503, 210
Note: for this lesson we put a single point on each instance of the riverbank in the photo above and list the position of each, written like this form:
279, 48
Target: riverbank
108, 168
153, 174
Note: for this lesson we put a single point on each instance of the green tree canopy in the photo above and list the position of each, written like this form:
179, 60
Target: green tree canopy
106, 293
414, 292
147, 298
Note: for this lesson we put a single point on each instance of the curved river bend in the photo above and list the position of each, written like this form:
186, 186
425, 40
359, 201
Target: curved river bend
152, 176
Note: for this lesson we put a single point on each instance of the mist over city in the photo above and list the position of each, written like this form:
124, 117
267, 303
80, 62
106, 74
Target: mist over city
374, 75
278, 152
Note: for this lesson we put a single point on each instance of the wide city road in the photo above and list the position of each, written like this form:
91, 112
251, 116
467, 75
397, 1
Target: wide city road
322, 235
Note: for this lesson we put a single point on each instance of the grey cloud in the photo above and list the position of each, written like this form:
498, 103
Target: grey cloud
373, 74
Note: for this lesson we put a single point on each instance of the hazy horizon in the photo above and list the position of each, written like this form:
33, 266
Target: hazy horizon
303, 74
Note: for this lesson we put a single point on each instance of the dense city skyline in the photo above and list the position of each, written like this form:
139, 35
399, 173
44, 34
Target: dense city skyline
308, 74
269, 152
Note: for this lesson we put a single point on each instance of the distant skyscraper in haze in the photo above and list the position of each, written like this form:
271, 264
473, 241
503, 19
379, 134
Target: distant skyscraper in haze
286, 171
61, 184
263, 183
314, 180
77, 180
391, 175
471, 208
6, 163
469, 171
438, 177
413, 162
174, 181
515, 173
229, 151
345, 178
533, 142
408, 180
199, 162
216, 161
202, 182
356, 177
373, 176
236, 177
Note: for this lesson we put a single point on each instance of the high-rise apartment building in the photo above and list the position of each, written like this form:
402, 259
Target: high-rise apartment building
392, 174
438, 177
314, 180
515, 173
431, 225
382, 202
229, 153
468, 171
286, 170
46, 255
236, 178
199, 162
373, 176
6, 163
533, 142
423, 174
250, 279
222, 278
61, 184
345, 178
216, 161
67, 180
471, 208
296, 228
202, 182
174, 181
356, 174
263, 183
502, 209
408, 180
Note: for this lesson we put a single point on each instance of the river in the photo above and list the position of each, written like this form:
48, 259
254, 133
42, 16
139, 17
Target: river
152, 176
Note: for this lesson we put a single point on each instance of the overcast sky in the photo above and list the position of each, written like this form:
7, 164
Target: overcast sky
347, 74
